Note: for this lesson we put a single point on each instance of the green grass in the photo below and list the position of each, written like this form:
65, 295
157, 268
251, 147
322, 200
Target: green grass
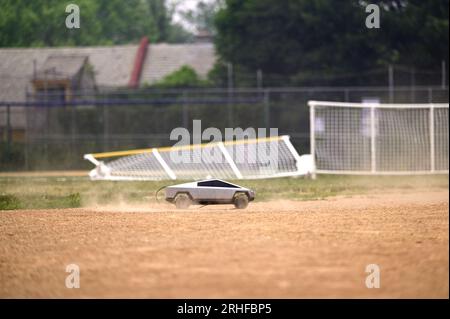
67, 192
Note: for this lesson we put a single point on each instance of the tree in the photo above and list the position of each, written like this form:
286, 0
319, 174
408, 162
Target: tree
26, 23
183, 77
301, 37
178, 34
204, 14
37, 23
418, 31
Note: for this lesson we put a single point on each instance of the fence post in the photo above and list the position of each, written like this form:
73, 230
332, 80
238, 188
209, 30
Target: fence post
185, 111
266, 108
230, 93
72, 130
372, 141
259, 79
391, 83
413, 85
8, 127
105, 127
444, 76
27, 139
432, 159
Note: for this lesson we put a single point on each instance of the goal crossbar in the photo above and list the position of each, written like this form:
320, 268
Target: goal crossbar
379, 105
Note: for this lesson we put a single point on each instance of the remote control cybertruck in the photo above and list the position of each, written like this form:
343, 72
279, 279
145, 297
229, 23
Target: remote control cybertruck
207, 192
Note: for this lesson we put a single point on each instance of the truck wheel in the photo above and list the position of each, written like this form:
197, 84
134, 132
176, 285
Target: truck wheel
182, 201
240, 201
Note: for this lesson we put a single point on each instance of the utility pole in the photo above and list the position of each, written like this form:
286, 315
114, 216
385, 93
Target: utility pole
230, 93
444, 73
413, 85
267, 108
230, 76
391, 83
259, 79
8, 127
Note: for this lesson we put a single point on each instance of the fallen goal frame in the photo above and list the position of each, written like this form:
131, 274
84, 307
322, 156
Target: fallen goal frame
156, 164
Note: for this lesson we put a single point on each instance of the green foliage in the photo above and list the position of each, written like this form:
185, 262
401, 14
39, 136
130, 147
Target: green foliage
417, 31
39, 201
9, 202
296, 37
74, 200
183, 77
204, 14
26, 23
178, 34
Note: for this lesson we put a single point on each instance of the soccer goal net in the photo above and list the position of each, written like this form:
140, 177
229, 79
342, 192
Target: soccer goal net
359, 138
238, 159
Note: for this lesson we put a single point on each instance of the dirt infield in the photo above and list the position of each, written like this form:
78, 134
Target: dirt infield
285, 249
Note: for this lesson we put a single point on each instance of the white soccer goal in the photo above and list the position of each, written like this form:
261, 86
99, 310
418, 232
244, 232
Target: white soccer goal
240, 159
371, 138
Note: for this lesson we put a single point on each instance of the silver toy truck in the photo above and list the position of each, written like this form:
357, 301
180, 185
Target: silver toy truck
207, 192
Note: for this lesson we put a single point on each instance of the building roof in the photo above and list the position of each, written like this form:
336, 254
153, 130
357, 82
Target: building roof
112, 65
163, 59
61, 66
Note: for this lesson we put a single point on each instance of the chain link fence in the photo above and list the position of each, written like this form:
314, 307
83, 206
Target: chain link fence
55, 132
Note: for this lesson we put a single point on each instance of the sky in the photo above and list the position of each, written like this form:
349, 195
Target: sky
184, 5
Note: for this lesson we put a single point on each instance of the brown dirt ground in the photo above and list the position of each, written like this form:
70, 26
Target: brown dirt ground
284, 249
